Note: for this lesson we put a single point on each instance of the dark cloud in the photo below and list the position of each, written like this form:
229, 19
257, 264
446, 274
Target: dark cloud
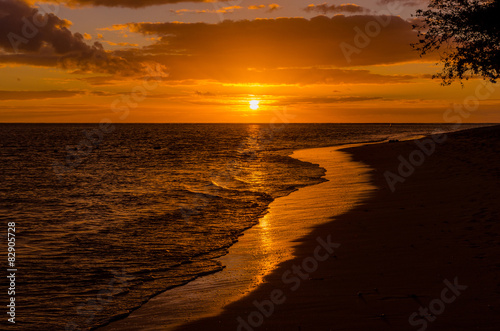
29, 36
288, 76
202, 49
32, 59
100, 80
124, 3
406, 3
204, 94
147, 3
268, 51
34, 95
327, 100
25, 29
343, 8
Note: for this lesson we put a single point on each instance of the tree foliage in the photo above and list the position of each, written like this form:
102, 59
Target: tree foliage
467, 35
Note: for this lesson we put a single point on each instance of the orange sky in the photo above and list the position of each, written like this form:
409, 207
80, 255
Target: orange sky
179, 61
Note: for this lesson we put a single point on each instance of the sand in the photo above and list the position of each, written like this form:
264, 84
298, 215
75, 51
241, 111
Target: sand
434, 241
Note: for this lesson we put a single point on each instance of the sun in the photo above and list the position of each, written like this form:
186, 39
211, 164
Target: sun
254, 104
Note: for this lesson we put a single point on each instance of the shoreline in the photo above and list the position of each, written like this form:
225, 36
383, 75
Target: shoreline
271, 242
400, 251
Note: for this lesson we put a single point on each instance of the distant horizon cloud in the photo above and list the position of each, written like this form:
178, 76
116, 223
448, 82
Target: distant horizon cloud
342, 8
37, 95
226, 10
406, 3
223, 10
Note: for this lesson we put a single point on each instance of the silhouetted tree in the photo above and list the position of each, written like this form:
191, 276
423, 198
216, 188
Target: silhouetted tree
468, 34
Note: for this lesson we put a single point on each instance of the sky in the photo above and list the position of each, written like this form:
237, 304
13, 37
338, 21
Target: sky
242, 61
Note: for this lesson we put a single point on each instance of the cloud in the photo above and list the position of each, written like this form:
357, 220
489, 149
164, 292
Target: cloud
406, 3
273, 7
51, 94
326, 100
204, 94
147, 3
122, 3
28, 35
343, 8
224, 10
270, 8
210, 99
23, 28
33, 59
123, 44
34, 95
100, 80
288, 76
203, 50
268, 51
257, 7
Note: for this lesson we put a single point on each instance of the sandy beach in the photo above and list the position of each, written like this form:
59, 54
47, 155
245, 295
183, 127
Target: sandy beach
422, 257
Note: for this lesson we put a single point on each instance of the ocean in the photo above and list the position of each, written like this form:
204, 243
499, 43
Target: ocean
109, 216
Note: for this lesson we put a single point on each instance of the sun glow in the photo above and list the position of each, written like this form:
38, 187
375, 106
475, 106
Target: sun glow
254, 104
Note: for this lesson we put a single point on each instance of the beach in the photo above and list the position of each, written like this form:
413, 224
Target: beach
421, 257
261, 248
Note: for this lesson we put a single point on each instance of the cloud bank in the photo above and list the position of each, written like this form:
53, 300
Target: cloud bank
343, 8
267, 51
30, 36
124, 3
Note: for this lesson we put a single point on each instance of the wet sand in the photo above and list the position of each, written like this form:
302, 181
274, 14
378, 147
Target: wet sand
434, 241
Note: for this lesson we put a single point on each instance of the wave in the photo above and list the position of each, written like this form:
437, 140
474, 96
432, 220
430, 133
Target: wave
192, 191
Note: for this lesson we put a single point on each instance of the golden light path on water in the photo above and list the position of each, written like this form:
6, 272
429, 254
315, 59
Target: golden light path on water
263, 247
